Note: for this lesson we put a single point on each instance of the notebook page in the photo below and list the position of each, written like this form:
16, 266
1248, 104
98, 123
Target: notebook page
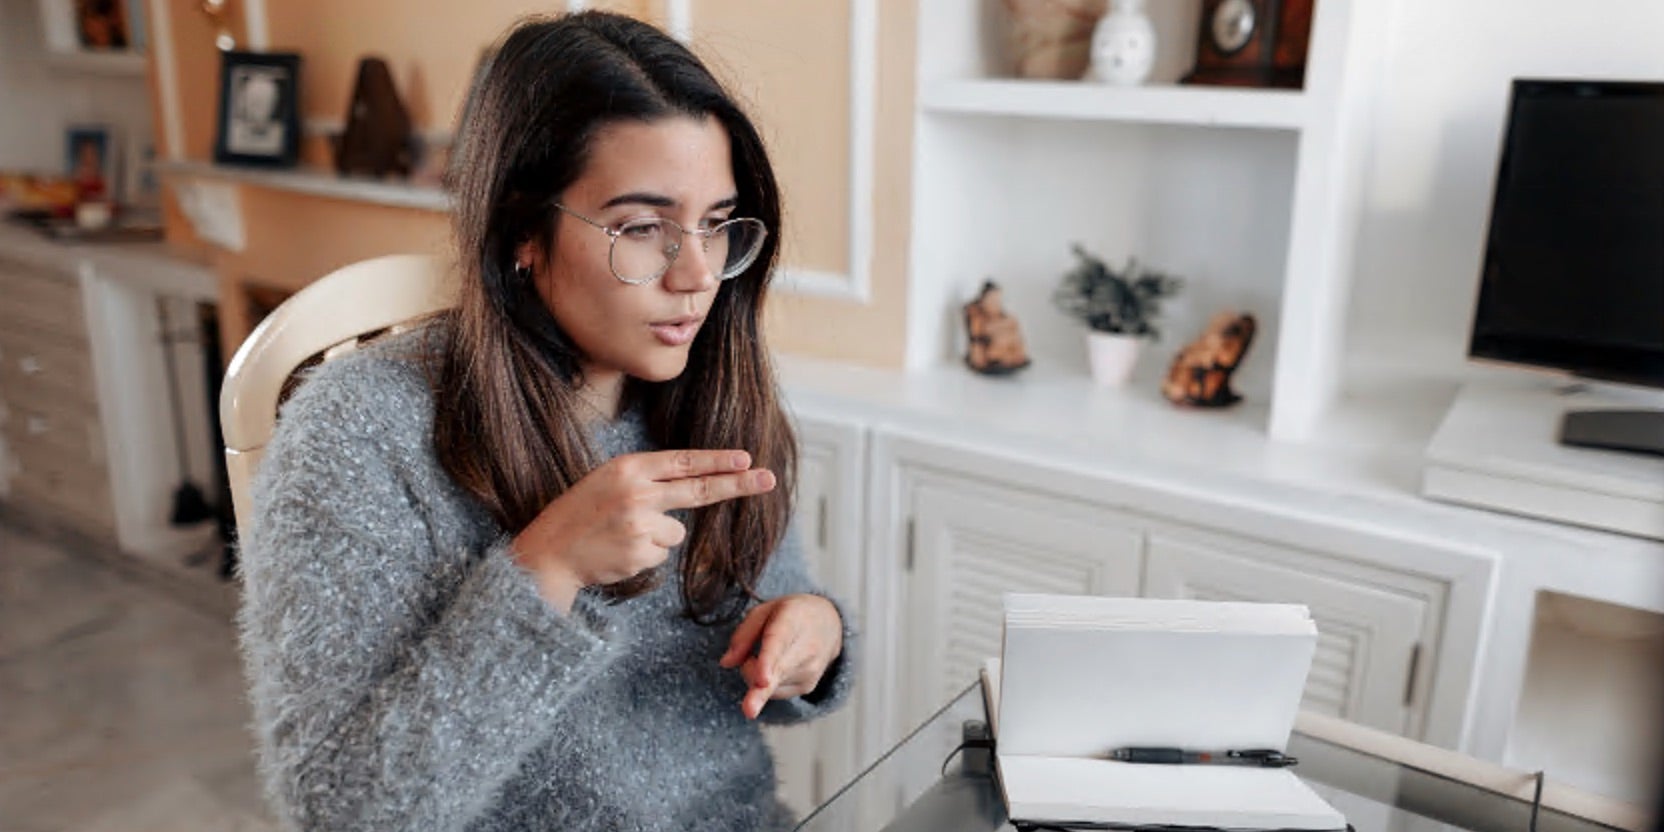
1089, 612
1230, 797
1080, 692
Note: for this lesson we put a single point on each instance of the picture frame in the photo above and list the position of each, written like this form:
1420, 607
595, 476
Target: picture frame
103, 25
259, 112
90, 160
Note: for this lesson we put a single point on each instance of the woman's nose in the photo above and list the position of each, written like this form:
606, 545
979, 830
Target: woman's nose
690, 271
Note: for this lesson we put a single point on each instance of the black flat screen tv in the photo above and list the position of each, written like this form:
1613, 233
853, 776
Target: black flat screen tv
1573, 275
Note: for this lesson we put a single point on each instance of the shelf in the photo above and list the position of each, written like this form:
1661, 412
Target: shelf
149, 266
100, 63
320, 182
1086, 101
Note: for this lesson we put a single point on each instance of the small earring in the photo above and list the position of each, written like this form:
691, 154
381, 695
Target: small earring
522, 272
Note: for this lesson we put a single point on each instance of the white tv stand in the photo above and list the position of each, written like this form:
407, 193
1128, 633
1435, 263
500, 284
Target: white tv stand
1498, 448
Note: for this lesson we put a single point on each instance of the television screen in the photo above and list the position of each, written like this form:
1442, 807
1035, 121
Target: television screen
1573, 276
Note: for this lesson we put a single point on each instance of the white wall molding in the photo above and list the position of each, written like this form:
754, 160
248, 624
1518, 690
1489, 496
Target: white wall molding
254, 15
863, 118
817, 283
167, 82
678, 19
167, 67
856, 285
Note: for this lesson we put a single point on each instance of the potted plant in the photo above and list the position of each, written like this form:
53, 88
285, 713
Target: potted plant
1119, 311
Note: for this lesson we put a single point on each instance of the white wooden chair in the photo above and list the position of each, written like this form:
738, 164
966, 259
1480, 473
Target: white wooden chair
326, 319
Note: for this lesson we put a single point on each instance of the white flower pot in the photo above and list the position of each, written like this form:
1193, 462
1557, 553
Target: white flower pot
1124, 45
1113, 357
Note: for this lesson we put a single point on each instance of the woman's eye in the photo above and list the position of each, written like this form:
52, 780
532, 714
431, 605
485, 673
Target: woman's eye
711, 222
641, 230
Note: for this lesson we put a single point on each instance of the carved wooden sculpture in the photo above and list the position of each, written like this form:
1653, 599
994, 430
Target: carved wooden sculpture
996, 341
1201, 372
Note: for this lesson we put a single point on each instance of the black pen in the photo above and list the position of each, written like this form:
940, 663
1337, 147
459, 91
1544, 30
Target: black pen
1261, 757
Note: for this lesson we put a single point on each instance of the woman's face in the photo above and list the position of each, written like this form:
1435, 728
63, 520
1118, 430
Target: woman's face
675, 168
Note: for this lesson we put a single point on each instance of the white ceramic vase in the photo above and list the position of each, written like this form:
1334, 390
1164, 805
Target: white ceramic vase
1124, 45
1113, 357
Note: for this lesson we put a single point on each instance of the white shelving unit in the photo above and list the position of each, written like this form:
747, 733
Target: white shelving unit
1251, 195
317, 182
1198, 106
64, 50
98, 63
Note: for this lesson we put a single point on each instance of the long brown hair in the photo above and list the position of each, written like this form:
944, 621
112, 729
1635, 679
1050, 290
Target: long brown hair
506, 426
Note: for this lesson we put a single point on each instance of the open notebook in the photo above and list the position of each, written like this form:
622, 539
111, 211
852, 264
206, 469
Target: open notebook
1082, 676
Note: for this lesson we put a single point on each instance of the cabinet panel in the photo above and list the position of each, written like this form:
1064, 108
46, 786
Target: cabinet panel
1371, 636
796, 764
49, 418
51, 425
32, 364
813, 760
49, 480
45, 303
971, 544
817, 489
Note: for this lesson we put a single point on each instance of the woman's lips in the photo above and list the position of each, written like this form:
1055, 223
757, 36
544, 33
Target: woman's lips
676, 332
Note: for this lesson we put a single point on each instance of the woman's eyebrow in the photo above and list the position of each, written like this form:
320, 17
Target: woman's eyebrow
640, 198
662, 201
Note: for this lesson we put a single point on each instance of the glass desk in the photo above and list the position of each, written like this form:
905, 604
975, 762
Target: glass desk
914, 787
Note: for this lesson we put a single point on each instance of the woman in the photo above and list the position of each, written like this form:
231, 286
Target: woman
527, 567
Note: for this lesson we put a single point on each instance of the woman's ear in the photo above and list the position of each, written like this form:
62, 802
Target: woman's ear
528, 254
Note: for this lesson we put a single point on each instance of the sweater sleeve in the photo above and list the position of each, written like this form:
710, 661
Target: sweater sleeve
787, 573
395, 685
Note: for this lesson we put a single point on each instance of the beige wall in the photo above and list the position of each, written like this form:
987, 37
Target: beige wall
872, 333
431, 46
797, 89
788, 61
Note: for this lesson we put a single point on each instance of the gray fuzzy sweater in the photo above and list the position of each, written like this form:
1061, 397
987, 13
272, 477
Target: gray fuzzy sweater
405, 674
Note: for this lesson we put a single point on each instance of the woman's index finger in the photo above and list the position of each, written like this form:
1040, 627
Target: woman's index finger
669, 466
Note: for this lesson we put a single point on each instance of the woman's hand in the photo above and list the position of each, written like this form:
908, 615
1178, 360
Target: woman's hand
612, 525
800, 636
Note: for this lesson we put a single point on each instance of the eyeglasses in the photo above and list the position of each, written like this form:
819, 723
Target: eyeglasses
643, 249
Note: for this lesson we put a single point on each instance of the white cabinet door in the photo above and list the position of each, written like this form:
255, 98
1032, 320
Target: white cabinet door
814, 760
971, 542
1376, 630
829, 498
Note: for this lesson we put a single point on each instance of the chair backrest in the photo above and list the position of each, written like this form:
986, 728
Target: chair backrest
324, 320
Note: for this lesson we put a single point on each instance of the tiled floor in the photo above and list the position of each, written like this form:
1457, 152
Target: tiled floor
121, 701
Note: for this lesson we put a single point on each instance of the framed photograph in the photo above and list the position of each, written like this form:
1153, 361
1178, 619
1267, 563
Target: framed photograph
90, 160
259, 116
102, 24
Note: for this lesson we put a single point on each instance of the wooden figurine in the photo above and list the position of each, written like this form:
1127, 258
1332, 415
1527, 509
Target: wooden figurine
376, 140
996, 341
1201, 372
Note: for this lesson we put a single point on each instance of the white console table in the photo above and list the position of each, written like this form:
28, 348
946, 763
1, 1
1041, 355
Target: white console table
86, 439
925, 494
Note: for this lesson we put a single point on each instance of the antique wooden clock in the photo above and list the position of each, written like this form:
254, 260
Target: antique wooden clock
1252, 43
